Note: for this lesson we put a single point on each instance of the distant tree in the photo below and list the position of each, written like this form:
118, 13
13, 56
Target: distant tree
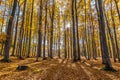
39, 32
73, 31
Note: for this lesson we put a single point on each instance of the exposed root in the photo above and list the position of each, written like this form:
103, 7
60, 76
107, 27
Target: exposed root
109, 69
6, 60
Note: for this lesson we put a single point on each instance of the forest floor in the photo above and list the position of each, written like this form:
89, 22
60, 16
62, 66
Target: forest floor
57, 69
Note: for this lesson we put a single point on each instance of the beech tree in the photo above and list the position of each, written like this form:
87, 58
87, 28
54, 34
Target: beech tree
105, 53
9, 33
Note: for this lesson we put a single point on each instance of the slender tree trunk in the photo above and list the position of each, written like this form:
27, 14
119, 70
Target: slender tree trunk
94, 44
16, 31
101, 45
44, 52
115, 34
71, 42
48, 49
108, 64
31, 21
39, 33
22, 31
68, 47
9, 33
85, 35
59, 38
111, 37
65, 51
51, 31
73, 27
78, 45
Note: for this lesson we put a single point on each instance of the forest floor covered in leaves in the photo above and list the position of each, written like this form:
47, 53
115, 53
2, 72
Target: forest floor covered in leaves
57, 69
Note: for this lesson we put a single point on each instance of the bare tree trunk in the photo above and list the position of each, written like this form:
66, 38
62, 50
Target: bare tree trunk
68, 42
111, 37
59, 38
39, 33
73, 27
115, 34
78, 45
101, 45
9, 33
85, 35
29, 47
51, 31
22, 31
16, 31
65, 51
108, 64
116, 3
44, 52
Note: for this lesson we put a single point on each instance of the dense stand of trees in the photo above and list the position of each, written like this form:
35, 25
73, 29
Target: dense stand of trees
70, 29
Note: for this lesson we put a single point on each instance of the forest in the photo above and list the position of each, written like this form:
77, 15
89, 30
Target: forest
59, 40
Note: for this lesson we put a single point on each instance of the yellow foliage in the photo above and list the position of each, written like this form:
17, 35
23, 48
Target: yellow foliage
2, 37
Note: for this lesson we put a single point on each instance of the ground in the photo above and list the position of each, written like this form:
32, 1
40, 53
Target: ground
57, 69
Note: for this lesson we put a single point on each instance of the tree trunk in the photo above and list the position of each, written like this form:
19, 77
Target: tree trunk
29, 47
73, 30
111, 37
78, 45
101, 45
105, 54
51, 31
22, 31
39, 33
44, 52
16, 31
9, 33
115, 34
65, 51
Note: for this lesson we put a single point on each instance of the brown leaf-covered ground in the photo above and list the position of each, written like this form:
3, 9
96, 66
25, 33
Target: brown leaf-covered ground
57, 69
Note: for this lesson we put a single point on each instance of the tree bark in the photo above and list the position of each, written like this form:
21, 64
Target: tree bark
29, 47
16, 31
73, 31
51, 31
44, 52
78, 45
105, 54
9, 33
39, 33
